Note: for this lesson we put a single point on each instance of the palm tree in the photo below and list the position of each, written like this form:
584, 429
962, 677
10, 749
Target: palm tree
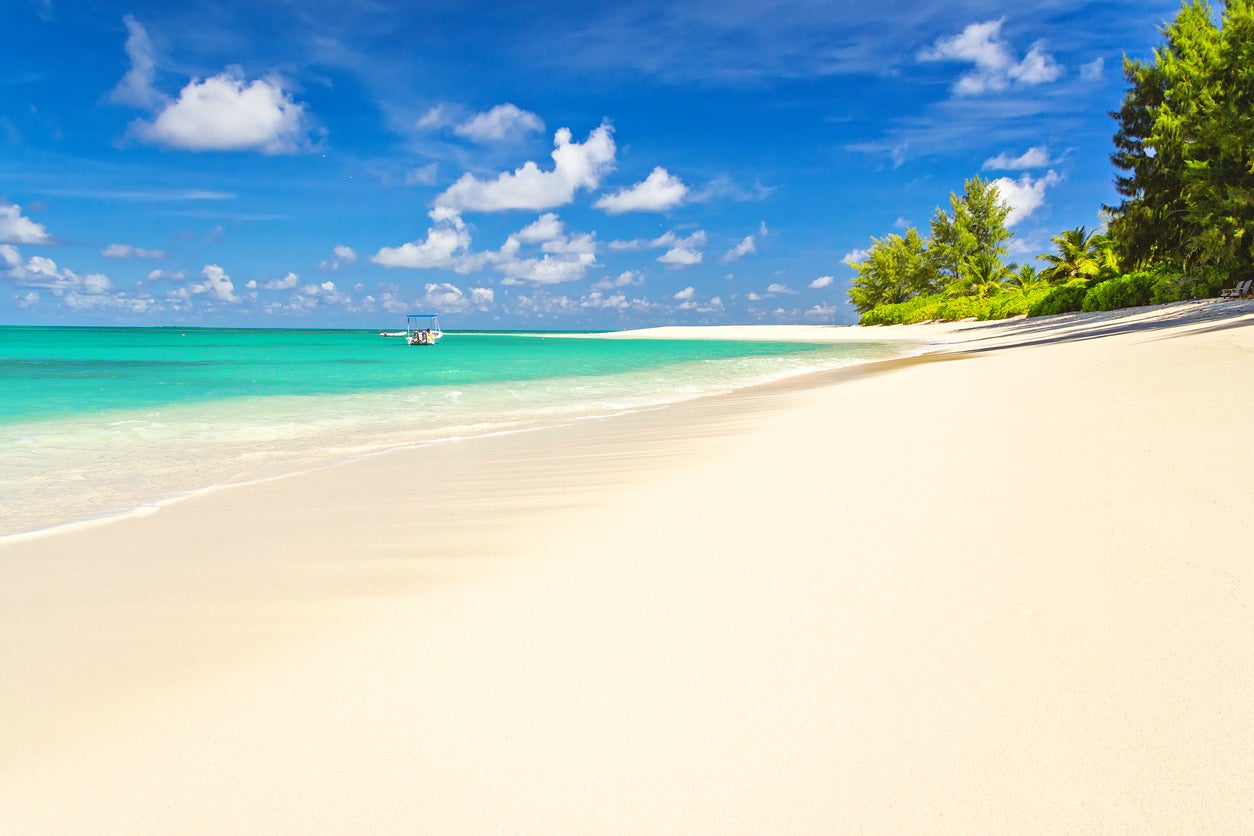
1078, 258
1026, 280
983, 274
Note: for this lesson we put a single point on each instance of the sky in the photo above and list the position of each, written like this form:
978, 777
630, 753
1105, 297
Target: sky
557, 165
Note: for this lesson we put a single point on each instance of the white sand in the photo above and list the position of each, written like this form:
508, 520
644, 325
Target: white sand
1011, 592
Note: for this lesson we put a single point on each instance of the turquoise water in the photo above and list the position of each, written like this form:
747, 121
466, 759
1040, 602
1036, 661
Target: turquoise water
99, 421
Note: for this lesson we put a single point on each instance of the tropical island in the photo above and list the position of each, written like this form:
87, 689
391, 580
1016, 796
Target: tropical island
1184, 153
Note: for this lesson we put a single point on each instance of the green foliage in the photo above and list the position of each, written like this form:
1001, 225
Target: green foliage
962, 257
1130, 291
1186, 145
1082, 255
895, 269
975, 227
1065, 298
941, 306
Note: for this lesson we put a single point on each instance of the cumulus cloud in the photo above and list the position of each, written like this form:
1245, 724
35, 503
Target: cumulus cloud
44, 273
682, 252
166, 275
576, 166
214, 283
17, 229
545, 228
444, 243
996, 67
444, 297
550, 269
136, 87
822, 282
686, 293
341, 255
1035, 157
503, 123
855, 257
286, 283
658, 192
1025, 195
127, 251
776, 287
822, 313
742, 249
228, 113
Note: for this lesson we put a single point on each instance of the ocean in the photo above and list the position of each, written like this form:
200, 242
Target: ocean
96, 422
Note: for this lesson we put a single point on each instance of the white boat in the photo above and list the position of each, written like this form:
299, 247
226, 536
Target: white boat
393, 334
422, 329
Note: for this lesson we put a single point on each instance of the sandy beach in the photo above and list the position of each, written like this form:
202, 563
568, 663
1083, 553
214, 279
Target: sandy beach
1004, 587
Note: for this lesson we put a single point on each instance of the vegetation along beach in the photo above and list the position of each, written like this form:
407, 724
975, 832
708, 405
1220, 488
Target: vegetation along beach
728, 483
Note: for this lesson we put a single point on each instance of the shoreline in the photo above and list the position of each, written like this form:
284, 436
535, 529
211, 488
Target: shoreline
303, 461
1000, 593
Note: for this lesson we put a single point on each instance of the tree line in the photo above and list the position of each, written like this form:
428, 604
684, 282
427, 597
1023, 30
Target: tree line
1184, 227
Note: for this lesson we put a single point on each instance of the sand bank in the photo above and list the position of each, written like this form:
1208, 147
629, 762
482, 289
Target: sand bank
1012, 592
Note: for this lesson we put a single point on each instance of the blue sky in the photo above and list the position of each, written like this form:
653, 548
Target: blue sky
305, 163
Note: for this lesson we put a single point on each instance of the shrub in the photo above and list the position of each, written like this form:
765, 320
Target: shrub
938, 307
1062, 299
1130, 291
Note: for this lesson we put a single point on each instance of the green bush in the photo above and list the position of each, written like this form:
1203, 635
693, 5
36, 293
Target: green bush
1130, 291
940, 308
1062, 299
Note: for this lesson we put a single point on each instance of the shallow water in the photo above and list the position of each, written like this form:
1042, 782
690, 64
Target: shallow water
99, 421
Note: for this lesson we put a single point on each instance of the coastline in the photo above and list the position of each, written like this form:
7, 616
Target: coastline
1008, 592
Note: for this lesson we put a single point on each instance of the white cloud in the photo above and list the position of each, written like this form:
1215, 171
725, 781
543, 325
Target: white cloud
10, 256
996, 68
1025, 195
136, 88
576, 166
686, 293
127, 251
547, 227
551, 269
44, 273
444, 243
216, 284
742, 249
503, 123
683, 251
1035, 157
16, 229
658, 192
437, 117
776, 287
1093, 70
855, 257
286, 283
227, 113
821, 282
824, 313
627, 278
444, 297
165, 275
341, 255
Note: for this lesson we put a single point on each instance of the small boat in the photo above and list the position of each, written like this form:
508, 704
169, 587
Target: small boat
393, 334
422, 329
